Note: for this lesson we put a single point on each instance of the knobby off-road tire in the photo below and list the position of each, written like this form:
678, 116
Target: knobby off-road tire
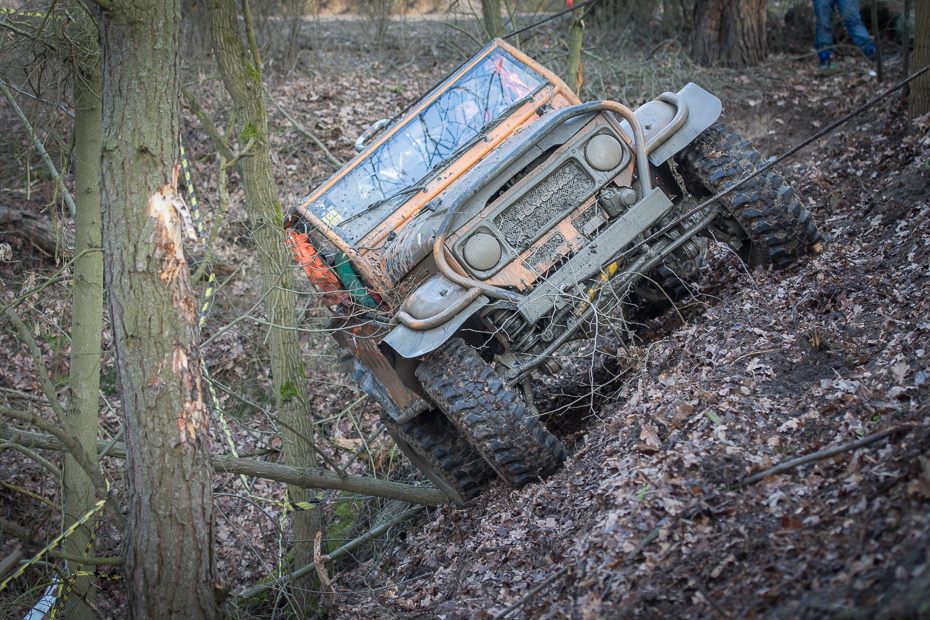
779, 228
442, 454
491, 416
671, 280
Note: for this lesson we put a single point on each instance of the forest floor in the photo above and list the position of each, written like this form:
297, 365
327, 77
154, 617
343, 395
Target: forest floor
647, 518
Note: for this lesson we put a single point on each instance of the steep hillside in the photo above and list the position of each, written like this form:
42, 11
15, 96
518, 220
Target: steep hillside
649, 517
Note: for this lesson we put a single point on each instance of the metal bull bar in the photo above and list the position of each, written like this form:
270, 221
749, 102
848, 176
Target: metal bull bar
557, 118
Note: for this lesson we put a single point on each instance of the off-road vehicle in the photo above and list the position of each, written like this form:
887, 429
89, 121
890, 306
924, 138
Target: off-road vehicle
499, 218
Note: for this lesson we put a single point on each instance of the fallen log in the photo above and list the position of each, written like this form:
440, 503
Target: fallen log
40, 231
306, 477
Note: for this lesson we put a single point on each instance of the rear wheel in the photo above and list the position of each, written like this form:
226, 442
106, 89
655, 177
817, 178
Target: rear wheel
439, 451
491, 416
778, 227
671, 280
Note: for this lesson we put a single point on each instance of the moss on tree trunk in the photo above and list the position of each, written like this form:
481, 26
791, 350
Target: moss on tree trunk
242, 78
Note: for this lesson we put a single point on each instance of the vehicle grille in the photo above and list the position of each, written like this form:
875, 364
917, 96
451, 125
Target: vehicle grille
545, 254
560, 192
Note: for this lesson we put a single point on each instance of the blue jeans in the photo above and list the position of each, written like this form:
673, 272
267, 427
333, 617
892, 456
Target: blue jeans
849, 13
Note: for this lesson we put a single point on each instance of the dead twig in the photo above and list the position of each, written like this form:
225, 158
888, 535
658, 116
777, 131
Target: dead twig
529, 595
52, 170
752, 354
366, 445
212, 132
335, 555
75, 448
699, 585
329, 156
52, 469
318, 560
825, 454
645, 541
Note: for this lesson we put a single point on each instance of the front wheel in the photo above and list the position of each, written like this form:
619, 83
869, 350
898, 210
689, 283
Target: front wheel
439, 451
778, 227
491, 416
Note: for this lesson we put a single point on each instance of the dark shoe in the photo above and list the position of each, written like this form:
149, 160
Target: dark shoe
826, 60
871, 54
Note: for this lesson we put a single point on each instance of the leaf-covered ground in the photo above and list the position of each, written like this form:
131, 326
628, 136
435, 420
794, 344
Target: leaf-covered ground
647, 519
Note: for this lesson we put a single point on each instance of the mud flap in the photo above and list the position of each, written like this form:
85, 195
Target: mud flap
370, 384
410, 343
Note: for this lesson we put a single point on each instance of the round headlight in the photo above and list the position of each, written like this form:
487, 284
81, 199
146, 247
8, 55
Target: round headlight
603, 152
482, 251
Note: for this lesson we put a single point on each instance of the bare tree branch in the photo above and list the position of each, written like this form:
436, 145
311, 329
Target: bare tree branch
253, 45
329, 156
318, 478
57, 277
823, 454
39, 147
29, 35
307, 477
73, 447
207, 123
21, 533
12, 445
335, 555
68, 444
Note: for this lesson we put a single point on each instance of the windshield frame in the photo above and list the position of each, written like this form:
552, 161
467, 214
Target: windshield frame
336, 211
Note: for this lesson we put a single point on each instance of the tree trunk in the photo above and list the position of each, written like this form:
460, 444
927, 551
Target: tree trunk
918, 102
168, 543
243, 80
574, 79
86, 323
729, 32
294, 11
491, 11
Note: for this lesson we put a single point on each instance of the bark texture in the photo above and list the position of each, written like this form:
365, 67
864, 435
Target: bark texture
168, 544
244, 83
729, 32
918, 102
575, 78
86, 326
491, 11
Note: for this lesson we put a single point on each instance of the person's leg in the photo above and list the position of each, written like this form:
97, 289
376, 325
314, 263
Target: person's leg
823, 34
849, 13
823, 31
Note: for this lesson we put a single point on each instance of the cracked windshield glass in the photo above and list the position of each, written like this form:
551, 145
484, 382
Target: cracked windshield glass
362, 198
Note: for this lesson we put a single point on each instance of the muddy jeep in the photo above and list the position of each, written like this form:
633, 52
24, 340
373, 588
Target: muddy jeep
499, 218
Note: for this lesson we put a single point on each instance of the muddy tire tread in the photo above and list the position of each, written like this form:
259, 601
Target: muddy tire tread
489, 414
446, 452
674, 276
767, 208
